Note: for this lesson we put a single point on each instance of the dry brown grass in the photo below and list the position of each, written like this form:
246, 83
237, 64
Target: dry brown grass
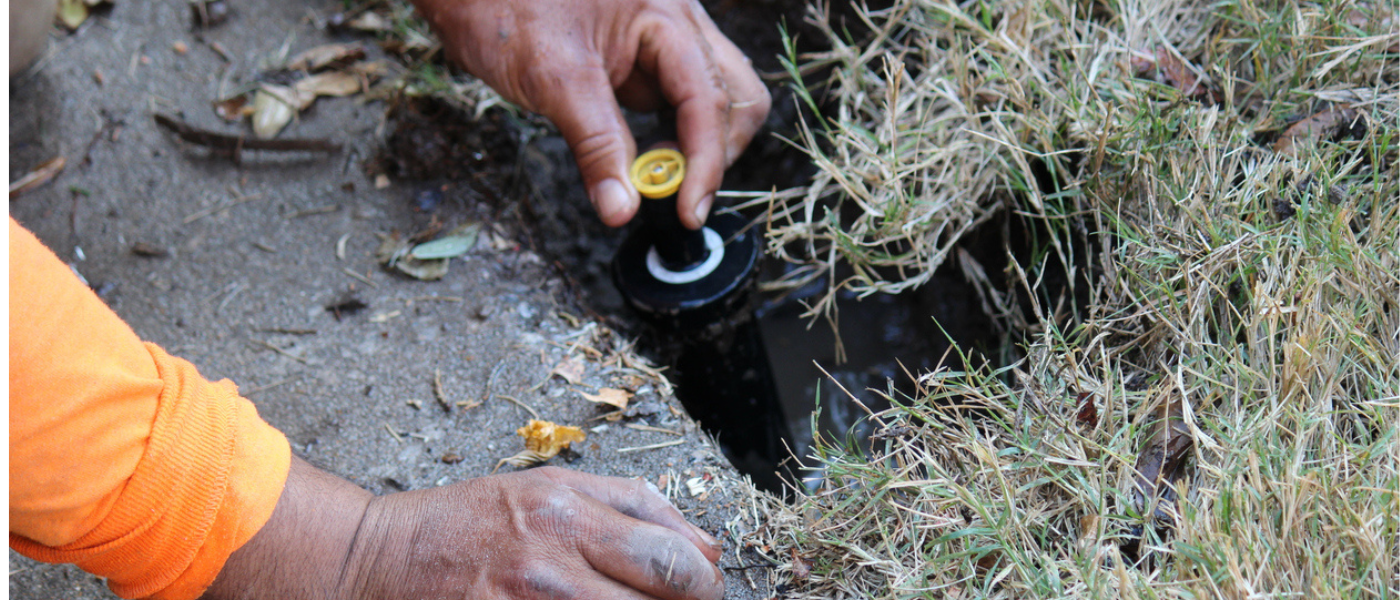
1251, 284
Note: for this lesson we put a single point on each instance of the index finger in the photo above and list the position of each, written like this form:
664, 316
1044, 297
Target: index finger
682, 59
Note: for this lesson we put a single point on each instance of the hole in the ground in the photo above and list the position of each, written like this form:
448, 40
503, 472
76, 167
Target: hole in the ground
507, 164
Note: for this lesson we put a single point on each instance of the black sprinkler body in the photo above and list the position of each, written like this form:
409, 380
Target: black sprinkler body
695, 288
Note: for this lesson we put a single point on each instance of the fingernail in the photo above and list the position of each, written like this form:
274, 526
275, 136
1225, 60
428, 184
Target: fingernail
609, 198
708, 539
702, 209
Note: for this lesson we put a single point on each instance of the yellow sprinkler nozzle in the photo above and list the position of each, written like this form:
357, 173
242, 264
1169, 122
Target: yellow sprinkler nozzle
658, 173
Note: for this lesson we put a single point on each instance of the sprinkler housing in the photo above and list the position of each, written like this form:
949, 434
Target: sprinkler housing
695, 288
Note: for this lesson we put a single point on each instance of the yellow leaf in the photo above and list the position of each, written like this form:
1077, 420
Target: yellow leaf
546, 439
612, 396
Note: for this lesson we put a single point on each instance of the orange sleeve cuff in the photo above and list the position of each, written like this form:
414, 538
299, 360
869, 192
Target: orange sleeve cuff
124, 460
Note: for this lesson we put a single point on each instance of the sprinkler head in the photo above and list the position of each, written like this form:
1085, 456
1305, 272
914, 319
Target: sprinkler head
679, 278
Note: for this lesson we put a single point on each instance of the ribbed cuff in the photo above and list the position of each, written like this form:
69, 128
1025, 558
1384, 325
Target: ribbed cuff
209, 479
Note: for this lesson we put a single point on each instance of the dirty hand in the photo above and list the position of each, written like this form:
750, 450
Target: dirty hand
574, 60
543, 533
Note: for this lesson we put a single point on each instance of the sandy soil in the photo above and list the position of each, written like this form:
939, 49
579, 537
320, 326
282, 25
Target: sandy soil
253, 253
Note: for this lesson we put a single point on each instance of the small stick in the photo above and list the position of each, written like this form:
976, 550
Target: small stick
438, 393
216, 208
272, 385
391, 431
281, 351
358, 276
523, 405
233, 144
640, 427
651, 447
287, 330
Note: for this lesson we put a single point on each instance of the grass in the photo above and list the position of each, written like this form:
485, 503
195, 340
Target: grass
1244, 288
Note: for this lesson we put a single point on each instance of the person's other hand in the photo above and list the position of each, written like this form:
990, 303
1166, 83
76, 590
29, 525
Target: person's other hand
542, 533
574, 60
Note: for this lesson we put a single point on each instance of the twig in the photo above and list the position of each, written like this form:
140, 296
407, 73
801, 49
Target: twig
281, 351
213, 209
651, 447
358, 276
391, 431
233, 144
523, 405
287, 330
640, 427
438, 393
320, 210
269, 386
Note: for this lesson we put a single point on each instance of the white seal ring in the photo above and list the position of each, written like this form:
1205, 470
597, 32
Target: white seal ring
713, 244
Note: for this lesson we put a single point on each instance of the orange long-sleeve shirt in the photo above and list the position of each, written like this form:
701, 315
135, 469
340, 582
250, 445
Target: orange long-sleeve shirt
123, 459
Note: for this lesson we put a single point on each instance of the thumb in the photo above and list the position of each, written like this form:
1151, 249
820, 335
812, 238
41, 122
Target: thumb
586, 112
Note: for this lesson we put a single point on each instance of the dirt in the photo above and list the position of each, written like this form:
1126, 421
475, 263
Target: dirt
233, 265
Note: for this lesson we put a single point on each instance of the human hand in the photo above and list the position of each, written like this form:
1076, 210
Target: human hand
542, 533
574, 60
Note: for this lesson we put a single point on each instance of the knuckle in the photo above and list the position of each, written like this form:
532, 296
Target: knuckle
541, 578
595, 149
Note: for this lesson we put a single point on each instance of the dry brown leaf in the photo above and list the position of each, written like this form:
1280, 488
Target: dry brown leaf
571, 369
1088, 414
1163, 456
333, 83
1178, 73
1318, 126
39, 176
801, 567
370, 69
547, 439
525, 458
233, 109
321, 57
610, 396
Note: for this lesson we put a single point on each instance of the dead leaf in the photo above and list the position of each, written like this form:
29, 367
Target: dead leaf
425, 270
543, 440
234, 108
571, 369
325, 56
39, 176
273, 108
1162, 458
1319, 126
1088, 414
801, 567
370, 69
1178, 73
610, 396
455, 243
333, 83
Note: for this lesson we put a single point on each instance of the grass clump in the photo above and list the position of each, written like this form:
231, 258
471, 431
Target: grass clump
1223, 176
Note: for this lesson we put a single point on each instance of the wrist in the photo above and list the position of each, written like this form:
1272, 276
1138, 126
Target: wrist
303, 550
